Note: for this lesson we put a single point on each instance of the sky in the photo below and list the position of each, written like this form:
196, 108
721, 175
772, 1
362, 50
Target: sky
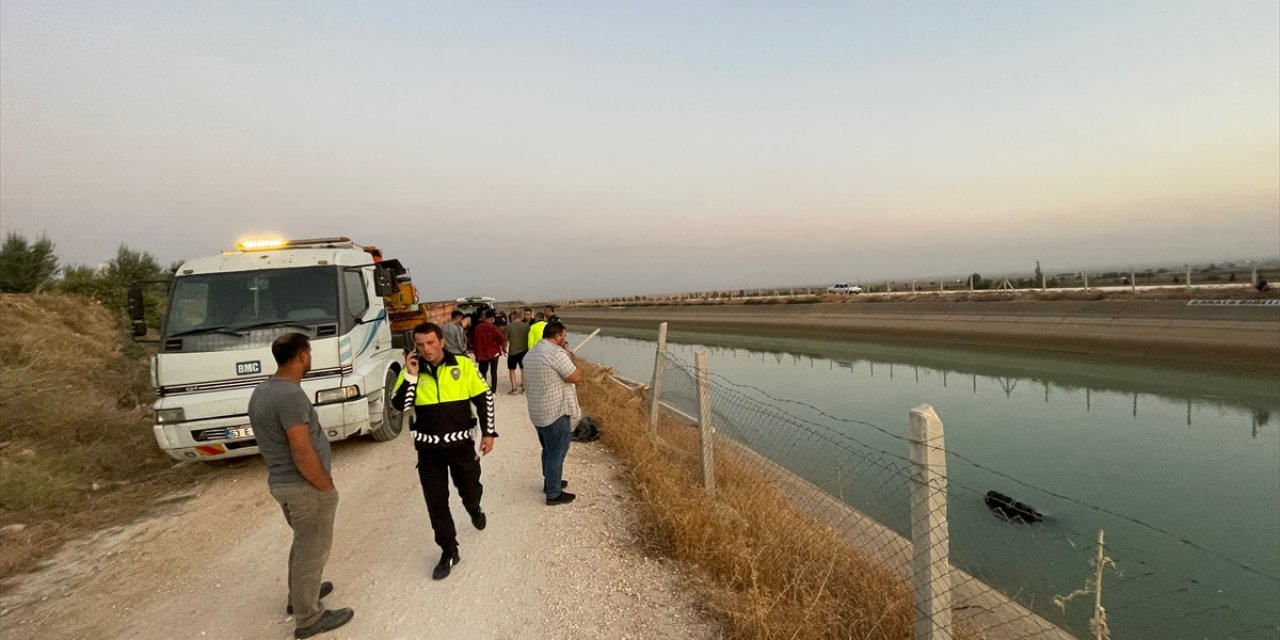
557, 150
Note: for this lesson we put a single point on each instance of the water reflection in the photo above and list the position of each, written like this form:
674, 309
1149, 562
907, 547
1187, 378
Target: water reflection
1258, 396
1160, 459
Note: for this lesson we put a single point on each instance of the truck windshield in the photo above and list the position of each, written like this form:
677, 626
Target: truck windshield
239, 301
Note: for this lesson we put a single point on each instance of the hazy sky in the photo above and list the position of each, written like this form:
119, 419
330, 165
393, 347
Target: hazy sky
559, 149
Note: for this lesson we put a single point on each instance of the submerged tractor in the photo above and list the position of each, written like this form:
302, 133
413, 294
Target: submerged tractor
223, 313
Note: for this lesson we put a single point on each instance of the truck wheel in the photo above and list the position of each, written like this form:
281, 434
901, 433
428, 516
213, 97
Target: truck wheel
391, 416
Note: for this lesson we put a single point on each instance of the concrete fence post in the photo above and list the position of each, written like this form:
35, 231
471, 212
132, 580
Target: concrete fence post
1085, 275
1253, 274
1133, 280
930, 540
1188, 275
706, 430
655, 387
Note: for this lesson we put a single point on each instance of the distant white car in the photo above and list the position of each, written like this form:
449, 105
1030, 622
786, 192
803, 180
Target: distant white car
844, 287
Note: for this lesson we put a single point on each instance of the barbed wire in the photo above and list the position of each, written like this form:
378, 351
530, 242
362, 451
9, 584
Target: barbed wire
873, 480
975, 464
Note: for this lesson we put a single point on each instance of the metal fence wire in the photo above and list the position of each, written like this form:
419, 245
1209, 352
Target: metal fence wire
1009, 572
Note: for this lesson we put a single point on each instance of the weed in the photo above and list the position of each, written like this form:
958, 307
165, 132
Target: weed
76, 447
771, 570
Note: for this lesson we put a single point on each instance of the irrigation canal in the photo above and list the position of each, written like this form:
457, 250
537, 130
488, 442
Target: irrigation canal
1180, 467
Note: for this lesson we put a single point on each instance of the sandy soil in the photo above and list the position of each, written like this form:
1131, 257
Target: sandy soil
211, 564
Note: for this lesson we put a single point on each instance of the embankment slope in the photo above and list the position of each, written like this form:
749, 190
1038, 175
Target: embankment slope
1171, 331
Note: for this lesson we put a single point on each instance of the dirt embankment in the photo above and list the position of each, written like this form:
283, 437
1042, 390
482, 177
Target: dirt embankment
1154, 330
76, 450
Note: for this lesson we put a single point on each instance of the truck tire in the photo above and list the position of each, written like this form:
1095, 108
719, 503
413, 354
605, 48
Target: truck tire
391, 416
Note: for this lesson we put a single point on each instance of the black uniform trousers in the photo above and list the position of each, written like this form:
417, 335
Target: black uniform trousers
434, 467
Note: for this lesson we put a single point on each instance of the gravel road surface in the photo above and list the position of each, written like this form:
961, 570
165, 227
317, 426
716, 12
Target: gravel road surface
211, 563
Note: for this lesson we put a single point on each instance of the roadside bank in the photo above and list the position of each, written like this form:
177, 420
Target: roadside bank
1167, 331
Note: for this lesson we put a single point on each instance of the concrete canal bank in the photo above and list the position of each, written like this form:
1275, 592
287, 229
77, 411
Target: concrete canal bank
1173, 331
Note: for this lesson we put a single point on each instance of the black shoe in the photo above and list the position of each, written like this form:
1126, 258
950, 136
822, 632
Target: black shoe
329, 620
326, 588
447, 560
564, 498
478, 520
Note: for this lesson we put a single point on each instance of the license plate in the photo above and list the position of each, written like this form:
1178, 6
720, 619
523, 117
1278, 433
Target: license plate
239, 432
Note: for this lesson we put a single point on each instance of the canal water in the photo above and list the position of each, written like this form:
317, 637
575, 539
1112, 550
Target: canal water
1180, 467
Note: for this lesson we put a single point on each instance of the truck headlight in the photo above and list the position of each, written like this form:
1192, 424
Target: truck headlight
338, 394
166, 416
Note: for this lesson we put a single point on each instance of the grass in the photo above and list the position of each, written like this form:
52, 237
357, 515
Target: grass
76, 448
771, 570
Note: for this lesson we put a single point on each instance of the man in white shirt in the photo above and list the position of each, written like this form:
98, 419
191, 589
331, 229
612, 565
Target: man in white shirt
551, 374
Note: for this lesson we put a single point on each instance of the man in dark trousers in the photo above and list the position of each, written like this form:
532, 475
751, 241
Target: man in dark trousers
487, 345
441, 387
298, 462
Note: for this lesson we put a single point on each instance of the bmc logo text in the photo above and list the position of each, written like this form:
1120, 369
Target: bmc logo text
248, 368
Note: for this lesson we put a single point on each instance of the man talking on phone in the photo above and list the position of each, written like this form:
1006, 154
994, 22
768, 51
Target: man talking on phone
441, 387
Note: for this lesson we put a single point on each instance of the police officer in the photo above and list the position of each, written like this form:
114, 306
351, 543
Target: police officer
441, 388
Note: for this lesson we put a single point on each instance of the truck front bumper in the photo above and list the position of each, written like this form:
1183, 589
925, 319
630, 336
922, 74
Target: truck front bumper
207, 439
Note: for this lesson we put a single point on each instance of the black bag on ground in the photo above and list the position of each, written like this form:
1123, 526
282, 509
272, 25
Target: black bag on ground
587, 430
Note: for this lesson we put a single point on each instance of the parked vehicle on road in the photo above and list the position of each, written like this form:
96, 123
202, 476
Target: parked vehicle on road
844, 287
223, 313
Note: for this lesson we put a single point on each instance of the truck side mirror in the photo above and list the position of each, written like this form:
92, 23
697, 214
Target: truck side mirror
137, 311
384, 283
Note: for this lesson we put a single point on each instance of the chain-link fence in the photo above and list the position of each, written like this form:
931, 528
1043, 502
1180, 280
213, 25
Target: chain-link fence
975, 552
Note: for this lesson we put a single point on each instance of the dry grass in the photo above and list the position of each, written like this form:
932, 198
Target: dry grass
76, 448
769, 568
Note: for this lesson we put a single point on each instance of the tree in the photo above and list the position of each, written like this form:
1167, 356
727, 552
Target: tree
1039, 274
110, 284
26, 267
977, 282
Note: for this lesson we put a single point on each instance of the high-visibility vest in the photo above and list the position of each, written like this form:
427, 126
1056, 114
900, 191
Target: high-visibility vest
535, 332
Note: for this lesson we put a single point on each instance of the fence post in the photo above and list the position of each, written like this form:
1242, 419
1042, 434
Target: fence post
1042, 287
1133, 280
930, 541
1188, 275
706, 430
1098, 624
1085, 275
655, 388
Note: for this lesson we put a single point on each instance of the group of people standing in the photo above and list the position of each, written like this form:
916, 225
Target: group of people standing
444, 394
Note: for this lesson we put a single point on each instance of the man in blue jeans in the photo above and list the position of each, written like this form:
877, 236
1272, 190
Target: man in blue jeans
550, 373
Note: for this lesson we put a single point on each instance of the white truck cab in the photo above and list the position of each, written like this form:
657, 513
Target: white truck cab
224, 311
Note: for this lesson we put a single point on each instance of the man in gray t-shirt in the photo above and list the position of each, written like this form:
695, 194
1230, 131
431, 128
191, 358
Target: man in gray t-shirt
298, 462
278, 404
455, 335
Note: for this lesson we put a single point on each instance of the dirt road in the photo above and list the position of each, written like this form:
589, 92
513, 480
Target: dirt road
212, 564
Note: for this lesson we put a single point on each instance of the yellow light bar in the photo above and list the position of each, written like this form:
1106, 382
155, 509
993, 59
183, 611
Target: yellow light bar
261, 244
